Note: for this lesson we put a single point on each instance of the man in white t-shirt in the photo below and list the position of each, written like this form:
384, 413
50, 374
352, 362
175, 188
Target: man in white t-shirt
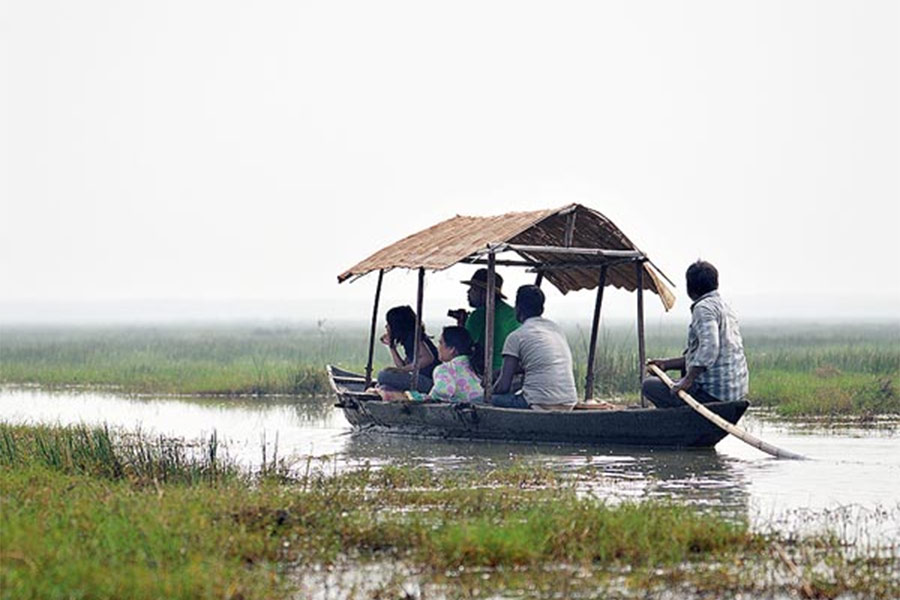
539, 350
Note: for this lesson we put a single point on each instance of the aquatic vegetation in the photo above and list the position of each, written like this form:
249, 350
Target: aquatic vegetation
79, 520
236, 360
828, 392
102, 453
801, 369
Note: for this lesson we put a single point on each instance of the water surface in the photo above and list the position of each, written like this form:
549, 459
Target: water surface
852, 483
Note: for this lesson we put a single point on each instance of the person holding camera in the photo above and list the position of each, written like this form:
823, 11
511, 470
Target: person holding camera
504, 315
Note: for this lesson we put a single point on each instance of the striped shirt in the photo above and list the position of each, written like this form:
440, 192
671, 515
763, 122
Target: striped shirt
714, 342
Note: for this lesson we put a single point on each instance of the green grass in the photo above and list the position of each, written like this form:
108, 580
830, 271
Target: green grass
71, 527
799, 369
71, 536
178, 360
827, 393
79, 520
100, 452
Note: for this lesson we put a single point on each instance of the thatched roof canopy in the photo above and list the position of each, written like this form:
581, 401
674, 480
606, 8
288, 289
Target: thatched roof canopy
464, 239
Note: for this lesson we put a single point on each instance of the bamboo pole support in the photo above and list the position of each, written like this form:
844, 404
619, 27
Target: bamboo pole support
734, 430
489, 307
565, 251
642, 352
570, 229
417, 340
590, 261
595, 328
373, 328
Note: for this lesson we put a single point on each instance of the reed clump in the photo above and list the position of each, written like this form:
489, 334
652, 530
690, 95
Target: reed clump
100, 452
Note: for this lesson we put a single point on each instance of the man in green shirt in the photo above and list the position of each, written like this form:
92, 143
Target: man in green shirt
504, 315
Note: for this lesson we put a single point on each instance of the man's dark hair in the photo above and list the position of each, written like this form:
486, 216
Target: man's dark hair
459, 339
702, 278
530, 301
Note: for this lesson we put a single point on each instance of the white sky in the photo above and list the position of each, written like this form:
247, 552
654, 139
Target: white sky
236, 156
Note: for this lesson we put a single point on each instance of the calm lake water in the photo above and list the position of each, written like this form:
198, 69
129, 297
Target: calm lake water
852, 484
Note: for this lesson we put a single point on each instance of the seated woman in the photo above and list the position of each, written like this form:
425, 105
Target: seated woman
401, 330
455, 379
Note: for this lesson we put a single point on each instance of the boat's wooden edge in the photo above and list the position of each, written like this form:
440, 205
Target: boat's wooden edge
595, 406
370, 398
333, 378
336, 376
349, 379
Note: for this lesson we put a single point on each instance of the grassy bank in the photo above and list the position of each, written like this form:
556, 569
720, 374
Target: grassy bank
87, 513
178, 360
799, 370
827, 393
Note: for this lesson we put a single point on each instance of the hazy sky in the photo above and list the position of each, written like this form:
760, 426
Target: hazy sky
244, 153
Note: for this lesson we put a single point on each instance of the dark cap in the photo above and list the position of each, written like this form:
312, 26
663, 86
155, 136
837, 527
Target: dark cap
479, 278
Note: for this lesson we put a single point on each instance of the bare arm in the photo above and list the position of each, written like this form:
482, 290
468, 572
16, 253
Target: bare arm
687, 381
398, 360
510, 368
392, 346
668, 364
424, 359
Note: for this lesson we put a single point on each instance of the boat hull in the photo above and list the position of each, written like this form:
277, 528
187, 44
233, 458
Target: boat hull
646, 427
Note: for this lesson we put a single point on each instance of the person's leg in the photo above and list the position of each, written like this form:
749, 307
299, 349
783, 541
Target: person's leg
700, 395
509, 401
394, 379
425, 384
659, 394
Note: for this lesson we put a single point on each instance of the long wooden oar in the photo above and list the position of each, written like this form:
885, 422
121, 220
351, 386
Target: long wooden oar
717, 420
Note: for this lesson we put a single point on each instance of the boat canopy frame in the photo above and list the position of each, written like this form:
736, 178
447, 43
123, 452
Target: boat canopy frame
556, 244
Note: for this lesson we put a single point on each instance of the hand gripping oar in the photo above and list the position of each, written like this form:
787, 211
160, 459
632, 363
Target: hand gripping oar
717, 420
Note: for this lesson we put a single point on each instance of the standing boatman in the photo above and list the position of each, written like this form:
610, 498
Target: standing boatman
713, 366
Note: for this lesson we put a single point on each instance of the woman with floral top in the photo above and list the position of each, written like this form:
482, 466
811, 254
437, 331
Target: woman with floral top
455, 379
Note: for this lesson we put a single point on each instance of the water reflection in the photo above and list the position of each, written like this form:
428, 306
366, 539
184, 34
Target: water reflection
704, 477
853, 467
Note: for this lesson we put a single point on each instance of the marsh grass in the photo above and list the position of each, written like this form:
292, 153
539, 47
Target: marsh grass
799, 369
102, 453
79, 520
827, 393
238, 360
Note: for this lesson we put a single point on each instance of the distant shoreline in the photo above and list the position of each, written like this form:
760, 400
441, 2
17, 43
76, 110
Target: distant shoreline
352, 309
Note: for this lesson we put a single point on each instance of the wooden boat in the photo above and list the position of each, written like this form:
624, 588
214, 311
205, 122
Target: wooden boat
649, 427
573, 248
